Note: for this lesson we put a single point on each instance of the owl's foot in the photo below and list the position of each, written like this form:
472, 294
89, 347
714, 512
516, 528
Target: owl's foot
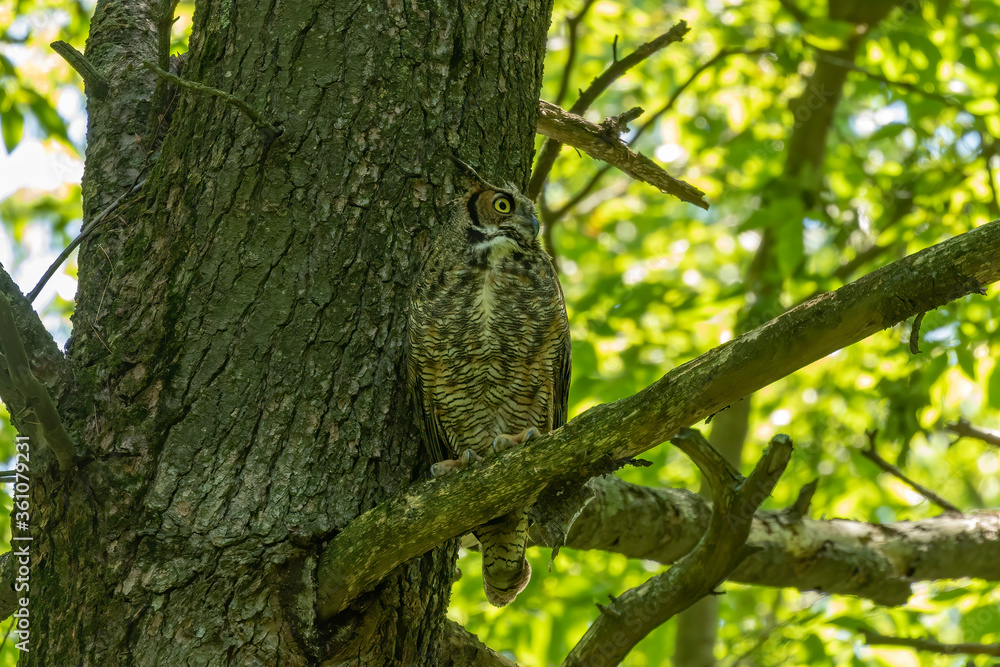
448, 466
505, 441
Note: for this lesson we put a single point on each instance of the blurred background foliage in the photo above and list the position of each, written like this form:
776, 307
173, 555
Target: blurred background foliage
911, 160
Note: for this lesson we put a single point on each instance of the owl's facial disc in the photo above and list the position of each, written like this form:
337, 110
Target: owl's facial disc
502, 223
499, 214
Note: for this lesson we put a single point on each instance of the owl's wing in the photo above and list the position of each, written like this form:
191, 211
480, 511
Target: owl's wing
430, 428
563, 370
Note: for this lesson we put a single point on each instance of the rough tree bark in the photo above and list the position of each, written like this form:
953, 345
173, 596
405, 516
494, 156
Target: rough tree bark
239, 394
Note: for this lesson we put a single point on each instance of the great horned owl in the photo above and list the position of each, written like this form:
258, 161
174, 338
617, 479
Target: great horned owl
489, 353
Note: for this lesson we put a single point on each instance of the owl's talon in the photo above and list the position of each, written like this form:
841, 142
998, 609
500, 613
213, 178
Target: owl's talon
505, 441
501, 443
448, 466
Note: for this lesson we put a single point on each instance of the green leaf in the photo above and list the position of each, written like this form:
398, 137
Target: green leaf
829, 35
950, 594
12, 127
815, 649
853, 624
966, 362
983, 106
789, 246
890, 131
980, 621
50, 120
993, 388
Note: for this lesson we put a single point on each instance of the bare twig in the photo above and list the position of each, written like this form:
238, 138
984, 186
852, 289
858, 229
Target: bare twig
36, 395
966, 430
931, 645
618, 68
915, 333
572, 23
632, 615
96, 85
164, 23
904, 85
550, 150
269, 131
874, 457
580, 195
84, 233
578, 132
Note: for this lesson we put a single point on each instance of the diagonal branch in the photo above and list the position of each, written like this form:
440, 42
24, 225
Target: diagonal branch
931, 645
640, 610
460, 648
872, 455
550, 150
964, 429
426, 514
618, 68
33, 372
648, 122
558, 124
37, 401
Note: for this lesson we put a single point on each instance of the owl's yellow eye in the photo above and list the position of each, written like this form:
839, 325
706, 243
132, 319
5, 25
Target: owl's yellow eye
503, 204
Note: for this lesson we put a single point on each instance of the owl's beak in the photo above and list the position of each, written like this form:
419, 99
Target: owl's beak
534, 226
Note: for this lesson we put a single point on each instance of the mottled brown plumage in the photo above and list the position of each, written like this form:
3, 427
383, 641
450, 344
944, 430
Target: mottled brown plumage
489, 355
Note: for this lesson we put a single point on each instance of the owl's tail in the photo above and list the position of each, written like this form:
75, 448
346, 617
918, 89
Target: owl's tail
505, 570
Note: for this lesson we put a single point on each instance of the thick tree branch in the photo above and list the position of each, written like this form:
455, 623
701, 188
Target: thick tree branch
638, 611
8, 597
461, 648
874, 561
33, 353
393, 532
48, 425
568, 128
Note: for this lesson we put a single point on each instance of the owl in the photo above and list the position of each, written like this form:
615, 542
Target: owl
488, 362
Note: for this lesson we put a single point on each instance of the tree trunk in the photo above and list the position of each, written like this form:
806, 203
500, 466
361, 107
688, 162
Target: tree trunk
239, 333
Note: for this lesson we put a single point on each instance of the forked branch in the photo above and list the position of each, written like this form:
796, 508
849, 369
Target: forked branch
638, 611
594, 139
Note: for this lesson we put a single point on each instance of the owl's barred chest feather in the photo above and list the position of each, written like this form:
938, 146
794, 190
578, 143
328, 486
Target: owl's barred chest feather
489, 367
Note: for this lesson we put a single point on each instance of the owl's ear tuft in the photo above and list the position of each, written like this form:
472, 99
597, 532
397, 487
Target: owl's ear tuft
471, 174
